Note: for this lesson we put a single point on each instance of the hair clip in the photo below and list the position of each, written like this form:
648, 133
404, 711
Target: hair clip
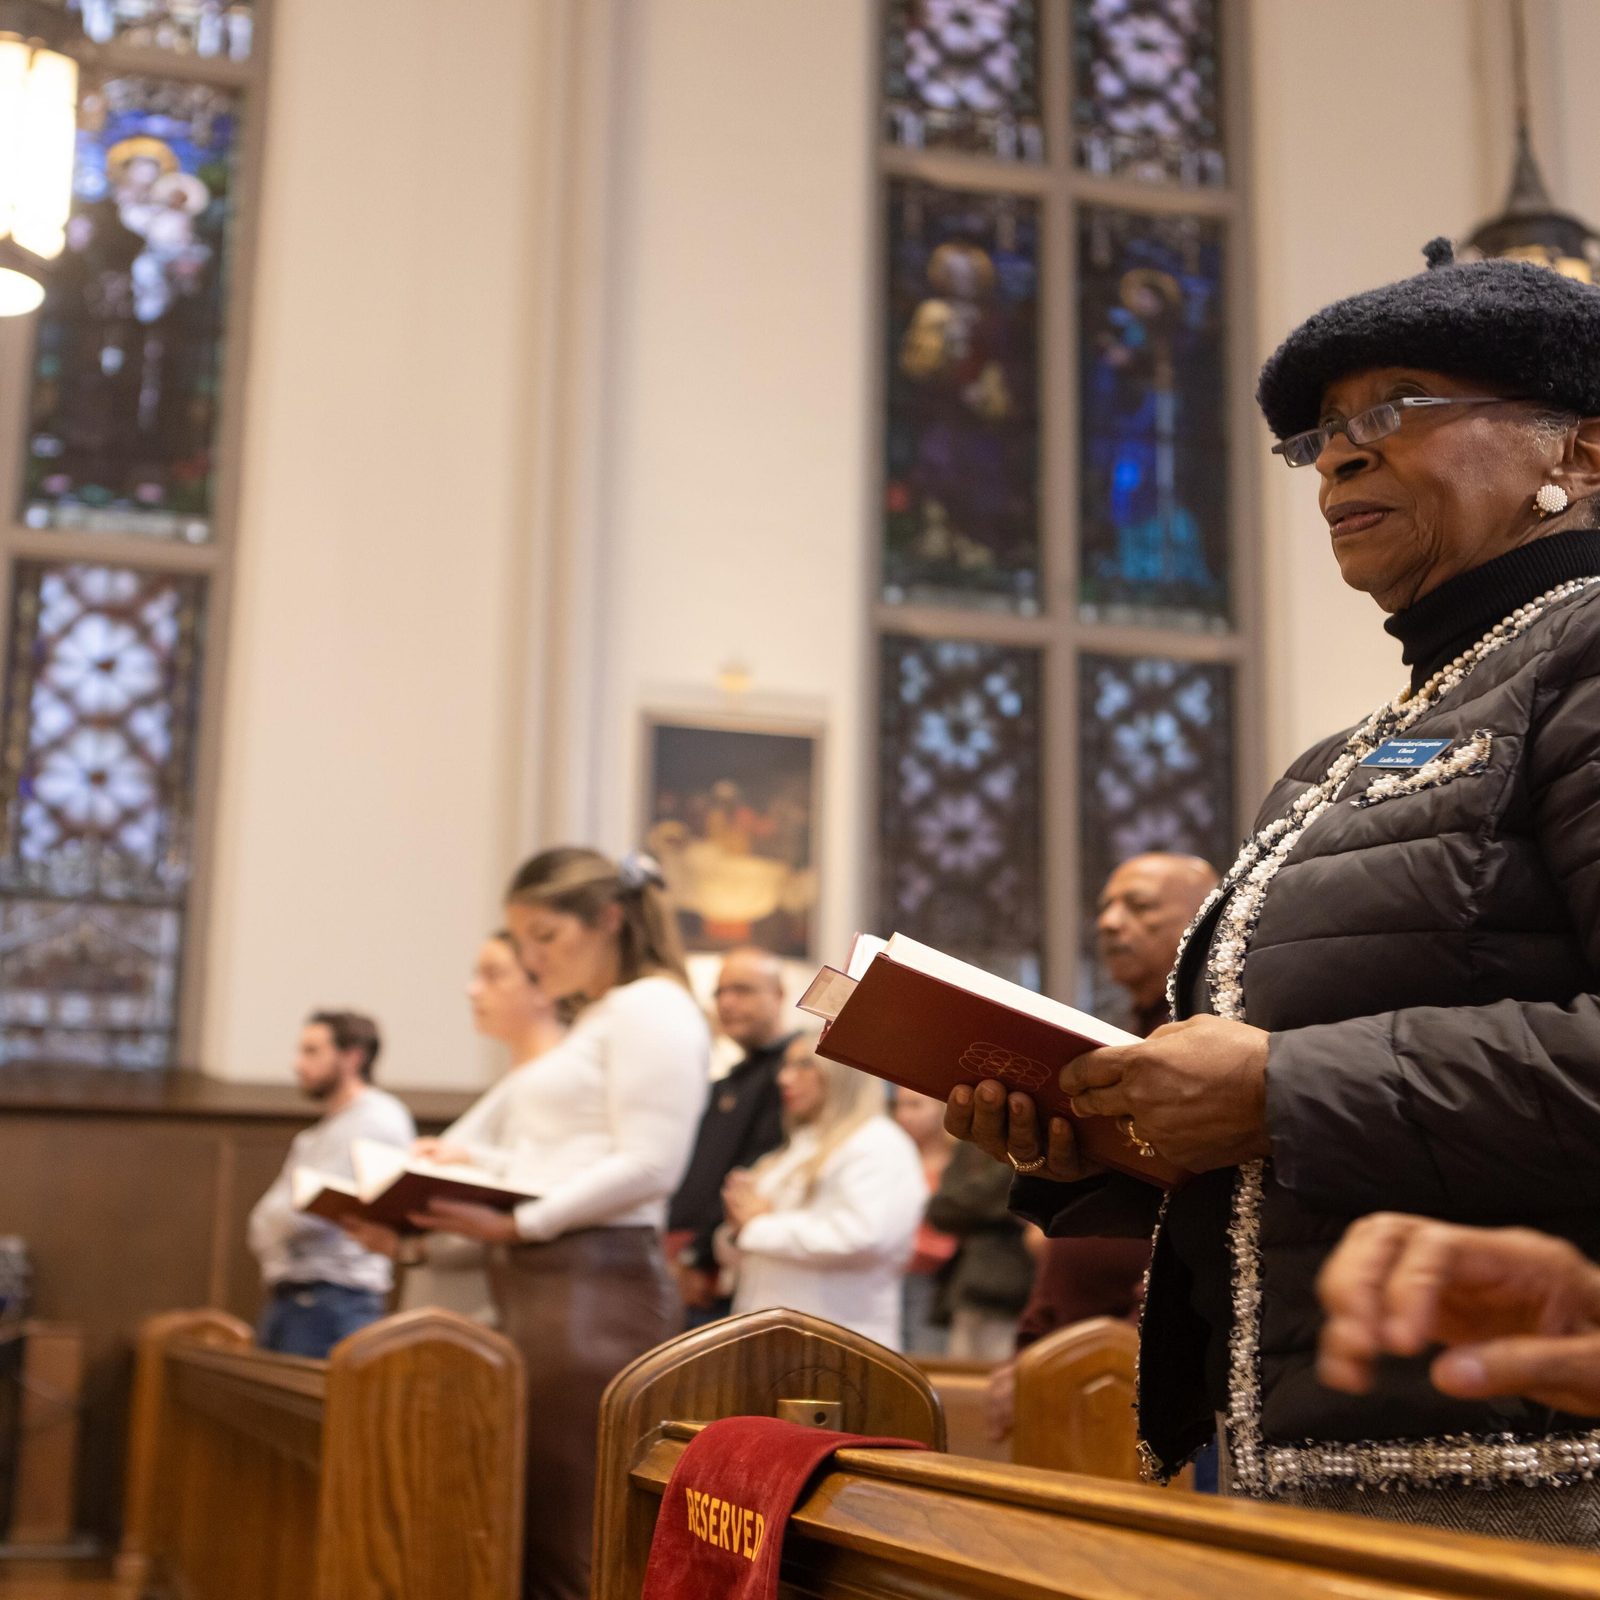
638, 868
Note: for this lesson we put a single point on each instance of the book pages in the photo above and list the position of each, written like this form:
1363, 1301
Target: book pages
963, 975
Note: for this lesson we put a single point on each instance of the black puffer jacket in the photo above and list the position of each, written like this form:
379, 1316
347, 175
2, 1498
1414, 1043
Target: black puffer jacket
1429, 967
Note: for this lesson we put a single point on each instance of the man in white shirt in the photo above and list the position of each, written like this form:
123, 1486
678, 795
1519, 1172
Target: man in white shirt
321, 1284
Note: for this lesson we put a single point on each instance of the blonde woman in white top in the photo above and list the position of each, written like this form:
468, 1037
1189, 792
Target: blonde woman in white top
511, 1009
600, 1128
826, 1223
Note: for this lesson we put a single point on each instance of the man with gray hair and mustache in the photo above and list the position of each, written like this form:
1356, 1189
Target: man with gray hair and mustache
1146, 904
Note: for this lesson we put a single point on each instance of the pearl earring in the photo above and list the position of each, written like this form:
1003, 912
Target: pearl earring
1551, 498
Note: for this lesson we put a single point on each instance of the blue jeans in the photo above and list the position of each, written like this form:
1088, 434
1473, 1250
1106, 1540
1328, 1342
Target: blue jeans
309, 1319
704, 1316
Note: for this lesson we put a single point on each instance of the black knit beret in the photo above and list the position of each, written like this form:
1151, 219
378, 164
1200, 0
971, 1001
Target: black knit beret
1517, 328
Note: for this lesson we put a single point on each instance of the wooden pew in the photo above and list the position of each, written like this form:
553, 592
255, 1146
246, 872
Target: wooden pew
1074, 1405
391, 1471
888, 1525
1075, 1392
961, 1387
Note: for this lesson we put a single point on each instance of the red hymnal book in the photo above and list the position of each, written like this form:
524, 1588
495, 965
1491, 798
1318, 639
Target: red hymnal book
390, 1185
922, 1019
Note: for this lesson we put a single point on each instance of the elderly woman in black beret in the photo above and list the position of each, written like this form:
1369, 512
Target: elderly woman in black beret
1392, 1001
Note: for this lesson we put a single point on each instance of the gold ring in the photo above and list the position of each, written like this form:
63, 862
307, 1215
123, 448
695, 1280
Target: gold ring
1026, 1166
1143, 1146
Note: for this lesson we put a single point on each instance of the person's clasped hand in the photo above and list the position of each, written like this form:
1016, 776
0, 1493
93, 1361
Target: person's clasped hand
1518, 1311
1195, 1090
373, 1236
442, 1151
741, 1200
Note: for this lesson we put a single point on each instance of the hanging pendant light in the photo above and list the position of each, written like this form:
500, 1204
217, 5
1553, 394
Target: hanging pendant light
1531, 228
38, 126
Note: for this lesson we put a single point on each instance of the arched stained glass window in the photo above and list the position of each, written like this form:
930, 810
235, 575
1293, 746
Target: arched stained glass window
210, 28
1145, 90
961, 507
964, 75
117, 504
128, 356
1063, 515
962, 804
96, 774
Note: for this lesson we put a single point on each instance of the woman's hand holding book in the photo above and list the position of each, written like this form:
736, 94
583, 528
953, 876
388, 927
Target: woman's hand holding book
1007, 1128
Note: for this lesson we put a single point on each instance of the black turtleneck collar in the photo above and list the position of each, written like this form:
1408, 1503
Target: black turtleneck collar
1458, 613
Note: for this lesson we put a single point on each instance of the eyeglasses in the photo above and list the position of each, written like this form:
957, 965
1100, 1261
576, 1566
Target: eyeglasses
1367, 427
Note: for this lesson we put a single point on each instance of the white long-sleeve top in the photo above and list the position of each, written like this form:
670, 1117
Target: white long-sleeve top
600, 1126
841, 1254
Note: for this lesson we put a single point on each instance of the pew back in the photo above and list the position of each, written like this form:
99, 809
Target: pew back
1075, 1395
886, 1525
393, 1469
770, 1363
962, 1387
1073, 1408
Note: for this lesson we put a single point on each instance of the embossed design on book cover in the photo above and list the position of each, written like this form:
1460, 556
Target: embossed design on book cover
984, 1060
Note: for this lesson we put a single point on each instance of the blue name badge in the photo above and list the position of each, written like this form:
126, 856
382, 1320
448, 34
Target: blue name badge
1406, 752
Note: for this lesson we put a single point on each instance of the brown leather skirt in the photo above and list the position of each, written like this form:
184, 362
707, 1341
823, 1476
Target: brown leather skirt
579, 1309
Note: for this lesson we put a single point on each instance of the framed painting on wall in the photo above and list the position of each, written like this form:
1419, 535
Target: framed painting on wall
730, 812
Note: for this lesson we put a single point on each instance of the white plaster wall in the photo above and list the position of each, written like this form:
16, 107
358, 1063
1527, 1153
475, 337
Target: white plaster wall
1328, 223
364, 828
740, 434
1564, 82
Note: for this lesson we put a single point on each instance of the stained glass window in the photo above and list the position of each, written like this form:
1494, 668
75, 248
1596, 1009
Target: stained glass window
964, 75
1057, 451
959, 866
1155, 763
188, 27
101, 696
1145, 102
128, 356
961, 512
1153, 410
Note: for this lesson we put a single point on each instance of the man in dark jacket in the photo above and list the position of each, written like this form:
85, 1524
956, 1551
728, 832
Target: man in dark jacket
743, 1120
1146, 904
1144, 908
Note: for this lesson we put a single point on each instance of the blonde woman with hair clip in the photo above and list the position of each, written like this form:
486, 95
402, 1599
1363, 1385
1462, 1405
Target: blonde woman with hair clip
600, 1127
826, 1223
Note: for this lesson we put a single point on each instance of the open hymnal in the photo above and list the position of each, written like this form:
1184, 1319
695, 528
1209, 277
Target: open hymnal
927, 1021
390, 1184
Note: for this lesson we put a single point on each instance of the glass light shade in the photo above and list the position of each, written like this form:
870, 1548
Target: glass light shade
38, 128
19, 293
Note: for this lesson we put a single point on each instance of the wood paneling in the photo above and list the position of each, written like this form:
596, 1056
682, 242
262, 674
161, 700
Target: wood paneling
47, 1443
132, 1193
391, 1471
28, 1579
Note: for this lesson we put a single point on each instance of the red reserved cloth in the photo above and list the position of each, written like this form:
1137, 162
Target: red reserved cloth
720, 1532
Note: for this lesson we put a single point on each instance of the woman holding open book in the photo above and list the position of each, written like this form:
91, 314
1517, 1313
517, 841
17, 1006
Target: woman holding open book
1392, 1001
827, 1222
599, 1128
511, 1009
